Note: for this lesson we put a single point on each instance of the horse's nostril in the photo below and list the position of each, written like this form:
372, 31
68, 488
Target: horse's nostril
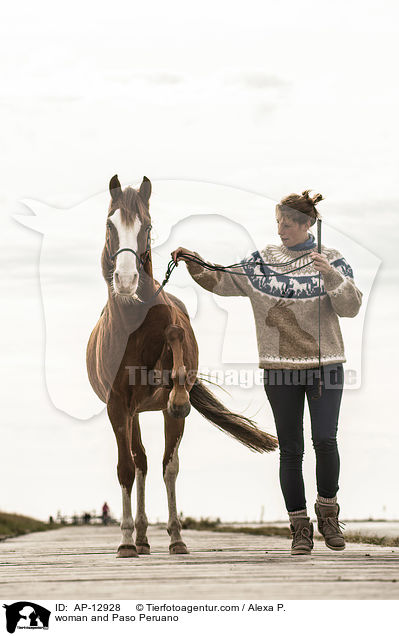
116, 277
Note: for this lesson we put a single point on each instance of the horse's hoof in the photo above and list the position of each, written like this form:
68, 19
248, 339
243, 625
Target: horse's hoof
143, 548
126, 551
178, 547
179, 411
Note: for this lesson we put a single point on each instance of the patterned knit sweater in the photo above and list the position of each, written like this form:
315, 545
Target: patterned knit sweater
285, 305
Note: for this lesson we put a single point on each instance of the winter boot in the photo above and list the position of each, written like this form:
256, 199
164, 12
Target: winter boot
302, 535
329, 526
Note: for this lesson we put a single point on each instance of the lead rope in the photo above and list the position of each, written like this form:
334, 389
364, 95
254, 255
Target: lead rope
319, 251
218, 268
171, 266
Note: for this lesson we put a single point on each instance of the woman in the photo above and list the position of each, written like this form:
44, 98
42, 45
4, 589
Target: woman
286, 309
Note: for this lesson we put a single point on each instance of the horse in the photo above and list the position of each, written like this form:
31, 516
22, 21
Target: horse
142, 355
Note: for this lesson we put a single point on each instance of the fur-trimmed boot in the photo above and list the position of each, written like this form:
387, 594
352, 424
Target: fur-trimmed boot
302, 535
328, 524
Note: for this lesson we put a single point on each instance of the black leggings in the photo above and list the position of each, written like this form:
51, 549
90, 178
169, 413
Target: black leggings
286, 389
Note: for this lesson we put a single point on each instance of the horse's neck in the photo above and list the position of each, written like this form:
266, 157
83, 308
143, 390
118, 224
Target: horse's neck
124, 318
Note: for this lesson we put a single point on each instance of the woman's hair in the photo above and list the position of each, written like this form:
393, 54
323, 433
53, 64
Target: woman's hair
300, 207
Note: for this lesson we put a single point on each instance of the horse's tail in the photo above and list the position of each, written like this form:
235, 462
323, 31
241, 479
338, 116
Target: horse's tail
238, 426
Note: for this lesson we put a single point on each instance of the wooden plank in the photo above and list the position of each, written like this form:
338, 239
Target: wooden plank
81, 563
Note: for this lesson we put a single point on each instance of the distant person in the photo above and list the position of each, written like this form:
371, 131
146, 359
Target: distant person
105, 514
282, 283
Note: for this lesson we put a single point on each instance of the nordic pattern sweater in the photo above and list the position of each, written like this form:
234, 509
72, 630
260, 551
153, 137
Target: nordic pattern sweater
285, 305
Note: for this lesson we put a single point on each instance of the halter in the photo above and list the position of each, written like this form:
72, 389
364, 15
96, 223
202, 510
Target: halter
145, 254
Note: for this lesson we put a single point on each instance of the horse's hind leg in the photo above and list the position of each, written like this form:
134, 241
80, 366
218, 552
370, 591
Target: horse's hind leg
179, 399
121, 424
174, 428
140, 460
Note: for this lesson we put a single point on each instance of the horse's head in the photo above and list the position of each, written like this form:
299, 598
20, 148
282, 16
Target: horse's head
126, 254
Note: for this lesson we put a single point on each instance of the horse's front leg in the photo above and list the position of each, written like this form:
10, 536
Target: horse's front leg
179, 400
121, 423
174, 428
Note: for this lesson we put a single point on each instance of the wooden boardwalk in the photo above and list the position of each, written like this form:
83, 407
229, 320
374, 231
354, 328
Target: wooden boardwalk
80, 563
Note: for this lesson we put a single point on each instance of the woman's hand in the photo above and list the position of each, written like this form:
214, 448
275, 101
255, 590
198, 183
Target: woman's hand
321, 263
180, 254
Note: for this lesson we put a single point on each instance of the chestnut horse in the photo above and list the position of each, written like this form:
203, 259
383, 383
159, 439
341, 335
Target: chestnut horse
143, 356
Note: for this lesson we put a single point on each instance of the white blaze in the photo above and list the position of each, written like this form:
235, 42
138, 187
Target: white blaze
126, 262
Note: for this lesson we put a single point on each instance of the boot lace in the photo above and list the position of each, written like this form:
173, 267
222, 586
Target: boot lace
302, 534
334, 523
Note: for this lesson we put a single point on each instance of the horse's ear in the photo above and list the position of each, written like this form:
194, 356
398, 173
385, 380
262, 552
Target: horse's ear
145, 189
115, 188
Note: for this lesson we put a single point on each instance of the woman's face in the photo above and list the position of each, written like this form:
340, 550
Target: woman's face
290, 231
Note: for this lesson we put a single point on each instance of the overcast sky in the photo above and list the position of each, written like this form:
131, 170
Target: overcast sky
227, 109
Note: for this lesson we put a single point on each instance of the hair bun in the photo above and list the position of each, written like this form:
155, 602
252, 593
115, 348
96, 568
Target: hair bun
312, 200
317, 198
